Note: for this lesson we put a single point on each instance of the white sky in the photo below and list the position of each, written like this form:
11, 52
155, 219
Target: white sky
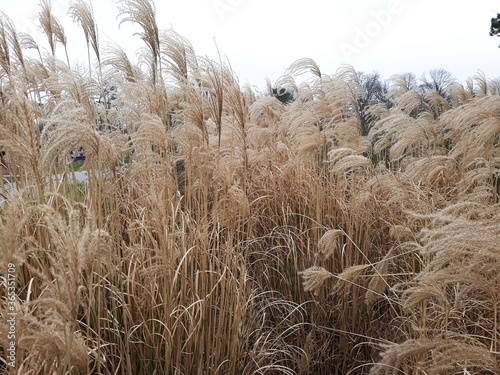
261, 38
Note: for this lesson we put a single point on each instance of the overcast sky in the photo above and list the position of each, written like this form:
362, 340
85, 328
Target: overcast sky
261, 38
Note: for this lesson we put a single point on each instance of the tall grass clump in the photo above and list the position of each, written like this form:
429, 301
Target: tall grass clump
224, 231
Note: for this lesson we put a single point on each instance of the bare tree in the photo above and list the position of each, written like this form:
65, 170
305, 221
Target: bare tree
374, 92
411, 81
438, 80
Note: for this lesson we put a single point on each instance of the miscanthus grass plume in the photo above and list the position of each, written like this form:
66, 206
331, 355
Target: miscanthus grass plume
304, 229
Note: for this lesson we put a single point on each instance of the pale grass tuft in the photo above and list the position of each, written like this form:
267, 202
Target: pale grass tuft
51, 26
434, 171
473, 128
302, 66
232, 207
82, 13
143, 12
350, 278
313, 278
116, 58
330, 242
401, 233
378, 282
266, 112
344, 161
14, 241
179, 56
51, 344
438, 104
68, 130
438, 356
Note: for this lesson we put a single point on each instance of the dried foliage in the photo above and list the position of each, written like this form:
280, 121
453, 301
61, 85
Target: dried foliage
221, 231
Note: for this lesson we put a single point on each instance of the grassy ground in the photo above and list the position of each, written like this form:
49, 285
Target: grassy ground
77, 166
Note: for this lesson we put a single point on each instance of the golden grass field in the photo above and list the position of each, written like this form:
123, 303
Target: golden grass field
223, 232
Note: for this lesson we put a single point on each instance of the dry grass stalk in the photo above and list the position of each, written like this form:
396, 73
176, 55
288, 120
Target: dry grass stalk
314, 277
189, 249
